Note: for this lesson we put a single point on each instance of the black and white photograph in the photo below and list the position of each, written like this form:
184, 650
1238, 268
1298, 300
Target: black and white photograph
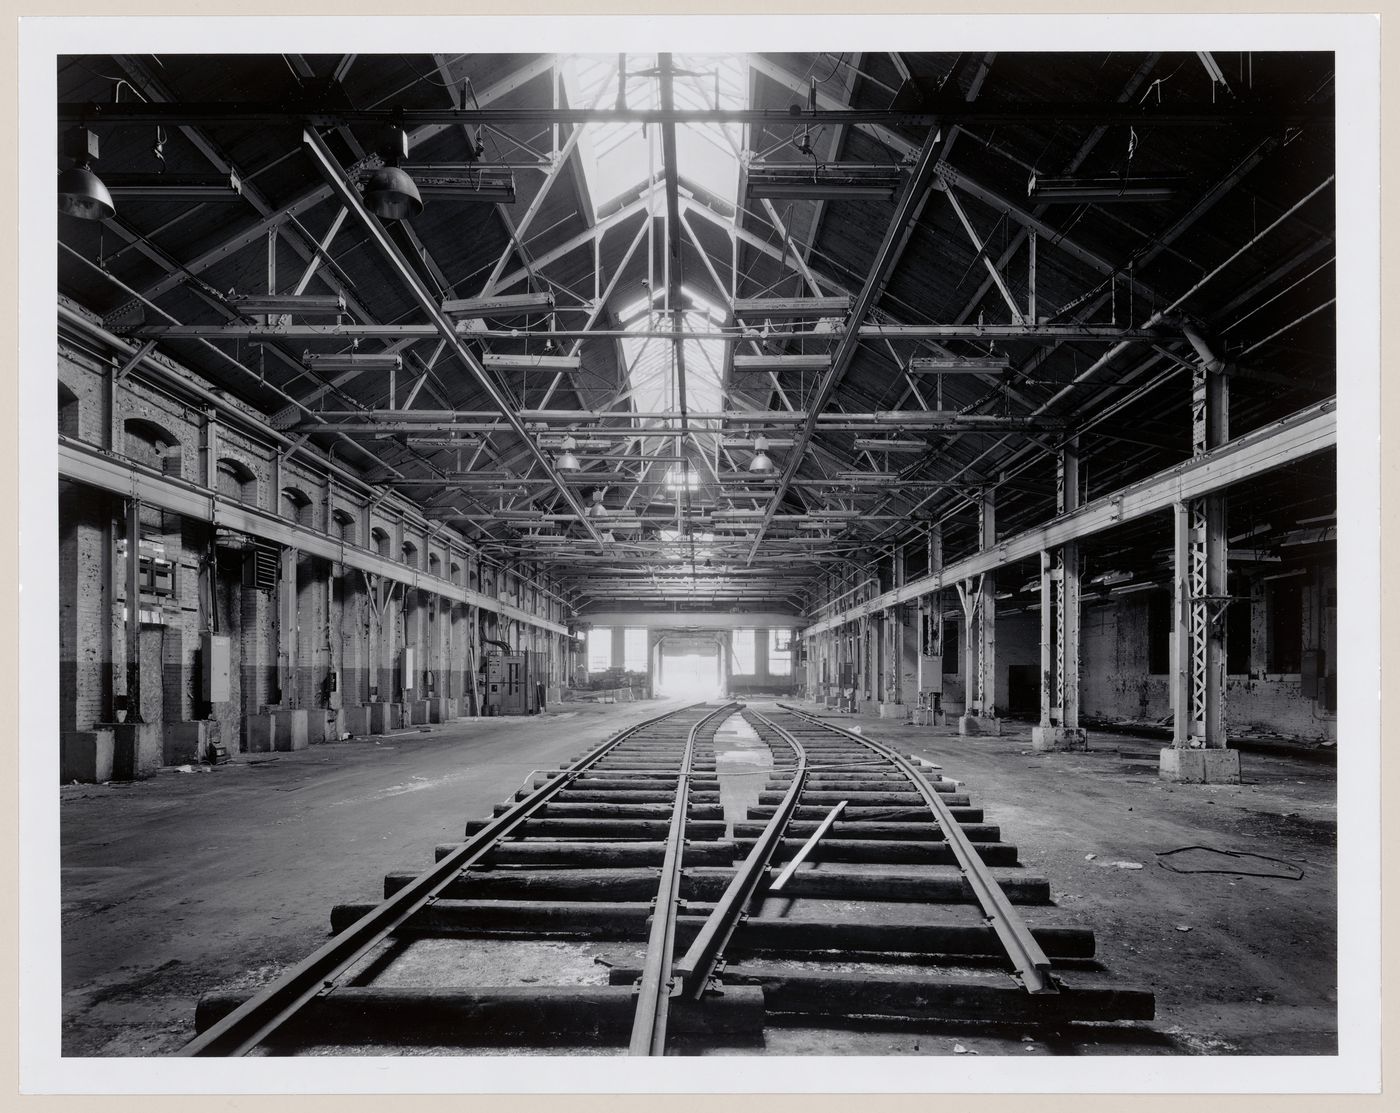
822, 550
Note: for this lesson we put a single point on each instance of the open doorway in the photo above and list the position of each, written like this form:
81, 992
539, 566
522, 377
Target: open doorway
691, 676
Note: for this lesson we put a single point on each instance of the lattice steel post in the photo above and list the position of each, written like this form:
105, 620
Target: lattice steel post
1200, 601
1059, 727
987, 616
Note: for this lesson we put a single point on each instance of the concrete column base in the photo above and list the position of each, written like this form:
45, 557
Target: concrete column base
1059, 738
86, 755
417, 712
322, 725
1199, 767
979, 724
381, 719
891, 710
292, 732
355, 720
439, 709
187, 742
261, 730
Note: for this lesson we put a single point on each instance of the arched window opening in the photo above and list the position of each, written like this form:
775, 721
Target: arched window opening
296, 506
237, 481
343, 524
67, 411
149, 444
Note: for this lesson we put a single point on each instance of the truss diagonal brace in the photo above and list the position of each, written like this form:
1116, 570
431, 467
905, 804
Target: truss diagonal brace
330, 170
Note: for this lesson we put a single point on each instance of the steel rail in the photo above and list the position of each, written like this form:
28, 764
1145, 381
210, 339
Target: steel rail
655, 988
1030, 962
807, 847
259, 1017
697, 967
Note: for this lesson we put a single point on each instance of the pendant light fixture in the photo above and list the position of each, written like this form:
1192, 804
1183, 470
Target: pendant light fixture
567, 461
390, 193
80, 191
761, 463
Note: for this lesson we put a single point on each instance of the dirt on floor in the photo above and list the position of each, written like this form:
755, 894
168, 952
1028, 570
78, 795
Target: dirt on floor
1239, 964
218, 879
191, 882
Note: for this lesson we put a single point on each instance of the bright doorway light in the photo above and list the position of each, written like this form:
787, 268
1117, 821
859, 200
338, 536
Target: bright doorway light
690, 676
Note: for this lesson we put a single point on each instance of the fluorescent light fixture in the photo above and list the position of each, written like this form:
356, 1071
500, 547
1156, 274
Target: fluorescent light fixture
443, 442
1108, 578
175, 187
1101, 190
523, 361
494, 185
736, 515
296, 305
834, 182
832, 515
1128, 589
520, 515
503, 305
597, 477
866, 478
353, 361
936, 365
761, 364
776, 309
585, 442
748, 442
888, 444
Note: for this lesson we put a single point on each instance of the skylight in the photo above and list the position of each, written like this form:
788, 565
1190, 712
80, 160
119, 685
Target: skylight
650, 360
621, 161
617, 158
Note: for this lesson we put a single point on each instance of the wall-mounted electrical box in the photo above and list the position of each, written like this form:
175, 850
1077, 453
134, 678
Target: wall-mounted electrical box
406, 662
214, 659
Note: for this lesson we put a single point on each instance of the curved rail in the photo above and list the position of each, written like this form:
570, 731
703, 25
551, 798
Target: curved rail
1029, 960
698, 965
656, 984
260, 1016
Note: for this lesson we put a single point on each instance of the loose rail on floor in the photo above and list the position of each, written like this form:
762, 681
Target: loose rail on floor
262, 1015
654, 990
1032, 965
656, 855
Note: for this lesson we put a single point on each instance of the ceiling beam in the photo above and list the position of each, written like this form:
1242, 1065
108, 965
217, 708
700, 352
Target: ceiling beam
331, 170
910, 202
939, 111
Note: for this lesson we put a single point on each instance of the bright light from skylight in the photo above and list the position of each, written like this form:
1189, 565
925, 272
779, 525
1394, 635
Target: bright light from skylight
617, 157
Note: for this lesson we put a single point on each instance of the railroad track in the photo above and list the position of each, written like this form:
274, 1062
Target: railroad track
671, 891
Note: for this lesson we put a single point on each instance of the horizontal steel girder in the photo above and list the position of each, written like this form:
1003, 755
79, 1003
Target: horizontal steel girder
934, 113
1032, 334
82, 464
1299, 435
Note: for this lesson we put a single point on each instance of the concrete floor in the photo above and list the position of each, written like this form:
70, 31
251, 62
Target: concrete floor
189, 882
1240, 965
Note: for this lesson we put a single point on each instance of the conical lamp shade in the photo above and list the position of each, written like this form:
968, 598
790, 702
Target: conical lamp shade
761, 462
568, 462
82, 194
391, 194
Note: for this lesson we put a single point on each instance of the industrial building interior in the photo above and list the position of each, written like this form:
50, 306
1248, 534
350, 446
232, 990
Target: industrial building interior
427, 422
